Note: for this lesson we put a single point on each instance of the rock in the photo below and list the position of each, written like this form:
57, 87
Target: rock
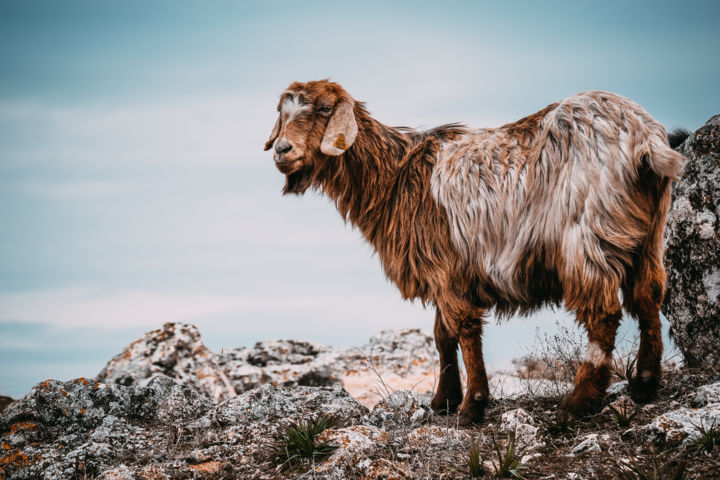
521, 424
682, 425
268, 407
623, 405
175, 350
617, 389
283, 363
513, 418
391, 360
84, 428
355, 444
591, 443
707, 394
692, 259
404, 408
436, 436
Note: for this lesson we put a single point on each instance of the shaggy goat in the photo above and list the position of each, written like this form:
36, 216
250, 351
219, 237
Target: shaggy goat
566, 205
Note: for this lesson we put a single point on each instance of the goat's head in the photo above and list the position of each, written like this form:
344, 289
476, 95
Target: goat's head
316, 120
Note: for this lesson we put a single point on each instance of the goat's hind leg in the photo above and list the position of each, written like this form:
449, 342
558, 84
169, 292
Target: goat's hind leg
448, 393
642, 299
593, 376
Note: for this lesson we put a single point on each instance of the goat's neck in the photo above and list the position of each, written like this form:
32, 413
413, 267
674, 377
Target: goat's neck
360, 180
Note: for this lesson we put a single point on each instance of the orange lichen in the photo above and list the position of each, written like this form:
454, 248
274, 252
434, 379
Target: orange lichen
45, 386
211, 466
14, 458
22, 426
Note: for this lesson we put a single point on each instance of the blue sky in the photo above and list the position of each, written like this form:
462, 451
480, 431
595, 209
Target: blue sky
133, 185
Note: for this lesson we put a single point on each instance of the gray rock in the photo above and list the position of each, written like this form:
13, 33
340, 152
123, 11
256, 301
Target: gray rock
283, 363
692, 300
404, 408
617, 389
83, 428
86, 429
268, 404
682, 425
707, 394
176, 350
591, 443
402, 351
524, 427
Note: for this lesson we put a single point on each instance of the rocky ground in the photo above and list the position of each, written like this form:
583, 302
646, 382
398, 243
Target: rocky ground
167, 407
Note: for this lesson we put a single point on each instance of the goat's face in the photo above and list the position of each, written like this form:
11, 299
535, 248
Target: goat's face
315, 121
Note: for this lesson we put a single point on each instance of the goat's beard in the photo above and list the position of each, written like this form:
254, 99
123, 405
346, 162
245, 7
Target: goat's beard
298, 181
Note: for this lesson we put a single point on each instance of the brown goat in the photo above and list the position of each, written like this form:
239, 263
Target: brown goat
566, 205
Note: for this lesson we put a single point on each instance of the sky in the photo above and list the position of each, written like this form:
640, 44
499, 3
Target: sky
134, 189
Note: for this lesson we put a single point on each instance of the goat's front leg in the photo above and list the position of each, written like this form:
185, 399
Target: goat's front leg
477, 395
593, 376
448, 393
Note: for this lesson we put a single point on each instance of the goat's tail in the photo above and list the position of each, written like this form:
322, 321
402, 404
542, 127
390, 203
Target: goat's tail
662, 159
677, 137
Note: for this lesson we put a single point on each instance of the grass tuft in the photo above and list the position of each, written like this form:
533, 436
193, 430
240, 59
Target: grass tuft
709, 437
509, 461
558, 425
474, 461
654, 470
296, 445
624, 415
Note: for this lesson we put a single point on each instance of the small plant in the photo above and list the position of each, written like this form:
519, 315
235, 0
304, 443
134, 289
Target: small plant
296, 444
509, 464
560, 424
709, 437
652, 471
624, 367
474, 461
623, 415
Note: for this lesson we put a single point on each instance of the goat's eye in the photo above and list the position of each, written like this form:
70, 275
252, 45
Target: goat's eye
325, 109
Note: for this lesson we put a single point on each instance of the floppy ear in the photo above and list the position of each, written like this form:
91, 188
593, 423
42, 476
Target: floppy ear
341, 130
274, 134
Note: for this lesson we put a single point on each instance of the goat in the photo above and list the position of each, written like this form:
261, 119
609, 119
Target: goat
567, 205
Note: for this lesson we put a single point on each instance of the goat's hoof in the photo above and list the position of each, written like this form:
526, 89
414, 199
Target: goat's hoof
644, 389
445, 407
444, 404
471, 412
576, 406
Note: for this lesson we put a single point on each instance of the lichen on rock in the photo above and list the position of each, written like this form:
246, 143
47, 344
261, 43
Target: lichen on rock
692, 259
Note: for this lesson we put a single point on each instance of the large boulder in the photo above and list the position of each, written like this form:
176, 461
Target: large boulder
692, 301
176, 350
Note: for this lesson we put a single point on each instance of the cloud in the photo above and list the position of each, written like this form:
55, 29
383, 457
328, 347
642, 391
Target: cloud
75, 307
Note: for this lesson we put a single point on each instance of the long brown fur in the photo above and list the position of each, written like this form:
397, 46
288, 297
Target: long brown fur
470, 220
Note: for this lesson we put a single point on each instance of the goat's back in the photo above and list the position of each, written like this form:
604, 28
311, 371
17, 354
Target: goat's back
572, 187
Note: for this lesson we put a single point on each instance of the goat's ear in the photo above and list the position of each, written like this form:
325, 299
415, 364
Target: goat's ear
341, 130
274, 134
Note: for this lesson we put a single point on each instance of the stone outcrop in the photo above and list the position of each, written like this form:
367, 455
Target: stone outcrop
391, 360
692, 300
176, 350
283, 363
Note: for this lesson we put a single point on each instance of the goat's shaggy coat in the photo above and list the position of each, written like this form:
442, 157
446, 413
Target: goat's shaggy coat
566, 205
